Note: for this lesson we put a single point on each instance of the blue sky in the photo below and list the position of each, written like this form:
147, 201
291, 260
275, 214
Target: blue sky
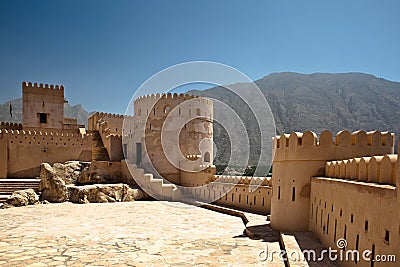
101, 51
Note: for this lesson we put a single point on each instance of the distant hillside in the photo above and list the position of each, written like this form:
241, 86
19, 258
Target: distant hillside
316, 102
76, 111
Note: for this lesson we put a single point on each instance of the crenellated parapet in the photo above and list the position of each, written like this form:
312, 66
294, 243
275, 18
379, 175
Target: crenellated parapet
37, 135
243, 180
161, 104
50, 88
106, 116
167, 96
307, 146
11, 126
113, 122
376, 169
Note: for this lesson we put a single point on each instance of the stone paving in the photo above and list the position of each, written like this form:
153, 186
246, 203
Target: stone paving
143, 233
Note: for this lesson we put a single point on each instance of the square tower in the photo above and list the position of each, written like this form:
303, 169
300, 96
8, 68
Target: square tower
43, 106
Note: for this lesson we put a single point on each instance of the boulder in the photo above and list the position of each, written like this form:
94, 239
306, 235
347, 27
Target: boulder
55, 179
80, 182
131, 194
99, 172
104, 193
23, 198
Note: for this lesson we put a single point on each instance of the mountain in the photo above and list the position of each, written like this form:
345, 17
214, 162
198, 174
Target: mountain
76, 111
319, 101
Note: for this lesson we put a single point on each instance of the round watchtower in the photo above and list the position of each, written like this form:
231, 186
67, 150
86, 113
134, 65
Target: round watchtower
169, 129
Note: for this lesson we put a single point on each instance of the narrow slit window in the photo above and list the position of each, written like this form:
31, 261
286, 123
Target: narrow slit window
279, 192
293, 193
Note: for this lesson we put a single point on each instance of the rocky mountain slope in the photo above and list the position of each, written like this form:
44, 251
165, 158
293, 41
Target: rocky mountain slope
316, 102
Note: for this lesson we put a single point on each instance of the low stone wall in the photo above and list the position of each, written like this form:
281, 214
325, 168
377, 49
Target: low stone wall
243, 193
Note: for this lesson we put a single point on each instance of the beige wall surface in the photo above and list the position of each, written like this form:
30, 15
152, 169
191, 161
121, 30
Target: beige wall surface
151, 115
362, 213
26, 150
236, 192
300, 156
48, 99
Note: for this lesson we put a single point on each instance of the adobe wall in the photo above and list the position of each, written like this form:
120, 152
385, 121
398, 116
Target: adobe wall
298, 157
234, 191
72, 124
110, 127
114, 121
376, 169
168, 111
26, 150
3, 155
205, 175
48, 99
360, 212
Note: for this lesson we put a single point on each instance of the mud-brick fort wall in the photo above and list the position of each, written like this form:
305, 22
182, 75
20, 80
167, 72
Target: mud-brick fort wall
358, 200
22, 151
110, 128
299, 157
43, 106
251, 194
188, 116
114, 122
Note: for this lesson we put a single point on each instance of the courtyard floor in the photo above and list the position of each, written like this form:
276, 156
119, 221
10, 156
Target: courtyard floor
142, 233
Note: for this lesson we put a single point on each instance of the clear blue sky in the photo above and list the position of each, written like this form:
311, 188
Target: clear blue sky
101, 51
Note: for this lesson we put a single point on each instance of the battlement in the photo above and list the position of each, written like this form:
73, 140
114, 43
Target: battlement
167, 96
33, 133
11, 126
376, 169
51, 88
103, 115
307, 146
245, 180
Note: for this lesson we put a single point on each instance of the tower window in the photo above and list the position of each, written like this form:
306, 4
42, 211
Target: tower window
207, 157
42, 117
387, 237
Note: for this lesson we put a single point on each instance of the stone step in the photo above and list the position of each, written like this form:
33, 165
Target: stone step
12, 180
3, 197
8, 186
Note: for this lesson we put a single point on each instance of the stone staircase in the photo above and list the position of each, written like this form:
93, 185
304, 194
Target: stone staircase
8, 186
156, 187
99, 152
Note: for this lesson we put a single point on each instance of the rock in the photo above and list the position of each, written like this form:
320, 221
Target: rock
132, 194
104, 193
55, 179
6, 206
59, 184
99, 172
23, 198
104, 198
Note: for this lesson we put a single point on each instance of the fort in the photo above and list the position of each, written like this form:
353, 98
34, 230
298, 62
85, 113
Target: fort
342, 186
